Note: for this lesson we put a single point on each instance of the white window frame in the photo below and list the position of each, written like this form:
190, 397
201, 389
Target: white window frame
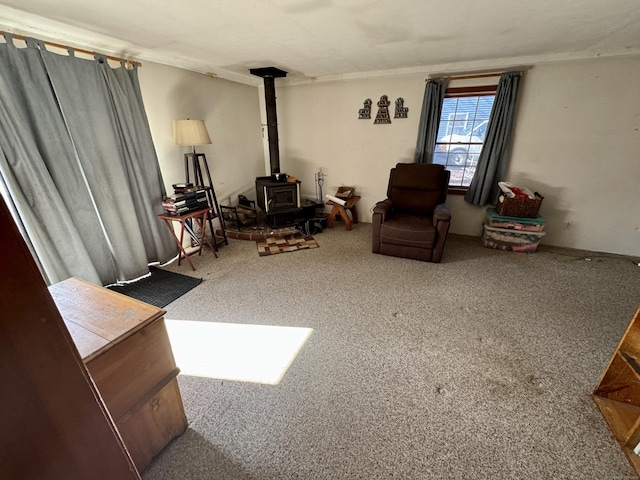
460, 173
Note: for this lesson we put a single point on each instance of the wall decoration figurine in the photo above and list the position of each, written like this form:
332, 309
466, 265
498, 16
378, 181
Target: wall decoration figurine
401, 110
365, 113
383, 111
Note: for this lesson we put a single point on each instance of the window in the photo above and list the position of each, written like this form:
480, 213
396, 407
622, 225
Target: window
463, 125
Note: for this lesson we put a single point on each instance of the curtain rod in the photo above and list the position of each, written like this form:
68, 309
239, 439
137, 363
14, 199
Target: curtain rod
67, 47
477, 75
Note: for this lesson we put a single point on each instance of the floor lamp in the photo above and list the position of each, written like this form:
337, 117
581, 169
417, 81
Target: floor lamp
190, 133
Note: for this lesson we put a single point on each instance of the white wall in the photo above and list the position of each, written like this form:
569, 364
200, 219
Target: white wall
231, 112
576, 142
319, 129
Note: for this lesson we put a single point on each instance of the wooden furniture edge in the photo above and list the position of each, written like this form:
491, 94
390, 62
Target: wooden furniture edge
58, 289
622, 418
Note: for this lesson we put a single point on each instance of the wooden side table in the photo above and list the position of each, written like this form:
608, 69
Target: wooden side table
200, 216
342, 212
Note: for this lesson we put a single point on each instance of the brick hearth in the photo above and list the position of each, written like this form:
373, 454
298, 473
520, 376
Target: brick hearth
260, 233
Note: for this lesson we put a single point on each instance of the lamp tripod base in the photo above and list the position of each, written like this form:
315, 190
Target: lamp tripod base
197, 163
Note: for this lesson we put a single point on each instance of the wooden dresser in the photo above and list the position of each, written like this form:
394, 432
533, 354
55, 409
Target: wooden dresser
125, 346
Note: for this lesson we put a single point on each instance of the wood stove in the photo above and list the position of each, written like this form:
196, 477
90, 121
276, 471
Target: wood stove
277, 197
274, 196
280, 200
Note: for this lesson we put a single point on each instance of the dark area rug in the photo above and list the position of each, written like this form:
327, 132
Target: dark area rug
287, 243
159, 289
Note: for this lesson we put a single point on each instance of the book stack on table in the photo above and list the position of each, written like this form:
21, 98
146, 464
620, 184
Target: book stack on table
185, 200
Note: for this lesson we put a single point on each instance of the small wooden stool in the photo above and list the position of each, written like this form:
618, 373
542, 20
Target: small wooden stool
342, 211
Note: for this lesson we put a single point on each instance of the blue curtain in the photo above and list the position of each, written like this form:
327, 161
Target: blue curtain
494, 156
434, 92
77, 161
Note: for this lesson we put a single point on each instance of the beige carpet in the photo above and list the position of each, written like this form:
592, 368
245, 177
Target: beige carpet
480, 367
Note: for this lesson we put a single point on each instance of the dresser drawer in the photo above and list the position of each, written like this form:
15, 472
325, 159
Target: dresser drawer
126, 372
154, 424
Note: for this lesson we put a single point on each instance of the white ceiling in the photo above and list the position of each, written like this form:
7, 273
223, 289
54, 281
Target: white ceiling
333, 39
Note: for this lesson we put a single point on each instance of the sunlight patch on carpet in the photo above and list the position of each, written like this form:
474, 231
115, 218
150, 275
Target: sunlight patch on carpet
230, 351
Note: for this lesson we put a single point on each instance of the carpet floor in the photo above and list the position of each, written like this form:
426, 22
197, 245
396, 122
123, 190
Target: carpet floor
480, 367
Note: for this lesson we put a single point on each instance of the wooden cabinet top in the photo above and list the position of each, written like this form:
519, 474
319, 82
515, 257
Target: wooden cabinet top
98, 318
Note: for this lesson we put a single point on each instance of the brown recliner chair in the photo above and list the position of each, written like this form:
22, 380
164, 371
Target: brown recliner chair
414, 220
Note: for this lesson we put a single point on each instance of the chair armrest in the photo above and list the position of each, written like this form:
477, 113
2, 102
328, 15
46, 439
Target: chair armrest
442, 213
442, 221
381, 211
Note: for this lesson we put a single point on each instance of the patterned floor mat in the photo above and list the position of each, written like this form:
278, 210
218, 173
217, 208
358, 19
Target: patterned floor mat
287, 243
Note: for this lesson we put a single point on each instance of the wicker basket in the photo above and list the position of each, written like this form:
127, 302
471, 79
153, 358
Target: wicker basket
519, 207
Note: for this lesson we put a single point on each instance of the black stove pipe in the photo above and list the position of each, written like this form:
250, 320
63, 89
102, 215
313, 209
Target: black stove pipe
269, 74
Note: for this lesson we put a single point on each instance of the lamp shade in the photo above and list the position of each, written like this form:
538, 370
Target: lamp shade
190, 132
